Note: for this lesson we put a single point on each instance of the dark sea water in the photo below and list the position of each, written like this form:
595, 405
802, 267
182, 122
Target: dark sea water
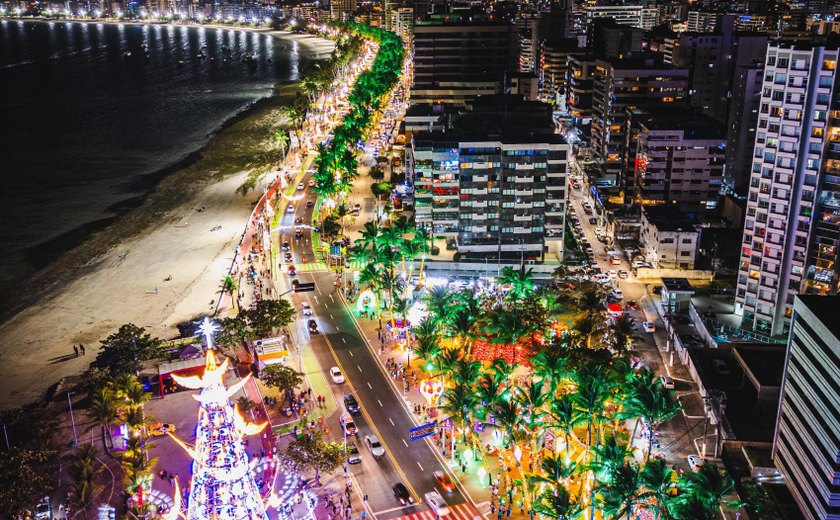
84, 126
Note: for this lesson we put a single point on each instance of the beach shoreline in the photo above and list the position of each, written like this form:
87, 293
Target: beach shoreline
117, 275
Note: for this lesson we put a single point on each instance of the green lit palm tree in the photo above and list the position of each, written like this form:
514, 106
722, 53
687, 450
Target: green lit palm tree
622, 494
659, 481
459, 402
565, 416
103, 409
281, 137
711, 485
558, 505
520, 280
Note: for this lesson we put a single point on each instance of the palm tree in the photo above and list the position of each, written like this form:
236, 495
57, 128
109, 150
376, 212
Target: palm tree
521, 282
103, 410
622, 334
245, 404
622, 494
422, 239
566, 416
83, 470
506, 327
502, 371
658, 481
466, 372
437, 301
710, 485
487, 391
654, 406
558, 504
427, 349
229, 286
587, 327
459, 402
342, 212
608, 456
532, 398
461, 323
281, 136
509, 416
446, 361
592, 392
550, 369
556, 469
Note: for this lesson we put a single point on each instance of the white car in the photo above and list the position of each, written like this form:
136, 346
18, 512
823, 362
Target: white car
348, 424
306, 310
667, 382
639, 263
300, 186
617, 295
337, 376
695, 461
648, 327
375, 447
612, 273
437, 503
601, 278
290, 208
311, 183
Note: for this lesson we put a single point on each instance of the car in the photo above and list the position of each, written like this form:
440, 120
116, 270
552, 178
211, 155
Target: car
335, 373
437, 503
353, 455
695, 461
612, 273
290, 208
313, 326
292, 270
615, 260
601, 278
43, 509
648, 327
721, 367
286, 246
309, 203
160, 429
402, 495
592, 220
617, 295
667, 381
639, 263
376, 448
351, 404
444, 481
349, 425
311, 183
623, 274
306, 309
298, 233
357, 207
288, 257
300, 186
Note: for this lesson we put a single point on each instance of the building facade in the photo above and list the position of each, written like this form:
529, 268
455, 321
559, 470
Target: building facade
668, 240
679, 161
792, 226
455, 62
806, 444
490, 185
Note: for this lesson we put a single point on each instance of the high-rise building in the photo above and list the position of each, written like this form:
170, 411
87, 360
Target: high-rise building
609, 39
342, 9
679, 160
402, 23
642, 82
741, 123
792, 226
455, 62
495, 181
806, 444
702, 21
624, 14
555, 66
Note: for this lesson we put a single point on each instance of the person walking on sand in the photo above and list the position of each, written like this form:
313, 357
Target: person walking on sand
76, 351
82, 348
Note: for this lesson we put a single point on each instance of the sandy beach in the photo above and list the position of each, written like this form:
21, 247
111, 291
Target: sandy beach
118, 275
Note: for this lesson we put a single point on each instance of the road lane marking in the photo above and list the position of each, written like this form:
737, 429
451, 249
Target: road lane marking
406, 444
399, 508
421, 467
331, 298
360, 368
368, 383
351, 353
380, 402
391, 421
331, 316
337, 329
343, 340
316, 298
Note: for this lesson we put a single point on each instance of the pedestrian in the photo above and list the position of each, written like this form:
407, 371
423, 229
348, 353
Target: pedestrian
156, 290
82, 348
76, 350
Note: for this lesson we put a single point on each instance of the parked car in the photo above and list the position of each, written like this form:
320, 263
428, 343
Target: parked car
351, 404
292, 270
601, 278
375, 447
311, 183
613, 273
336, 375
353, 455
313, 326
437, 503
290, 208
160, 429
721, 367
695, 461
305, 309
444, 481
667, 381
309, 203
640, 263
300, 186
592, 220
615, 260
623, 274
648, 327
617, 295
402, 495
286, 247
349, 424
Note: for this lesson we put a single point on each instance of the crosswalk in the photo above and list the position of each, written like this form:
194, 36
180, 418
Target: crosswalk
311, 267
464, 511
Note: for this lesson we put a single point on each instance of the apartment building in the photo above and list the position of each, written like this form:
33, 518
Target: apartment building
554, 67
679, 160
806, 444
702, 21
580, 81
621, 84
668, 239
456, 62
402, 23
495, 181
623, 14
792, 226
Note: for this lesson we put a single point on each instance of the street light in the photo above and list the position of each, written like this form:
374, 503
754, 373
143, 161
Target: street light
72, 419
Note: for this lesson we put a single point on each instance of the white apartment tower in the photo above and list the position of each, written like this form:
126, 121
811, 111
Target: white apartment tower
792, 225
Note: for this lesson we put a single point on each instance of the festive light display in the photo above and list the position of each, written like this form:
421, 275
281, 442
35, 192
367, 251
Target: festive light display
222, 485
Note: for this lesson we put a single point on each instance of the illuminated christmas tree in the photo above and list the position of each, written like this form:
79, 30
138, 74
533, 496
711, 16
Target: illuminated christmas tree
222, 485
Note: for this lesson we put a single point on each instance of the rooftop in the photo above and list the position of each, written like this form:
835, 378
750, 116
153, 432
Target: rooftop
668, 218
677, 284
697, 126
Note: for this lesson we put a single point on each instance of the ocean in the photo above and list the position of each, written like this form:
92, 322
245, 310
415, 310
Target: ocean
91, 116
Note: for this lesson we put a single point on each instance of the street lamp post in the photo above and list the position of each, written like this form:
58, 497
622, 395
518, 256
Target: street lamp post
72, 419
